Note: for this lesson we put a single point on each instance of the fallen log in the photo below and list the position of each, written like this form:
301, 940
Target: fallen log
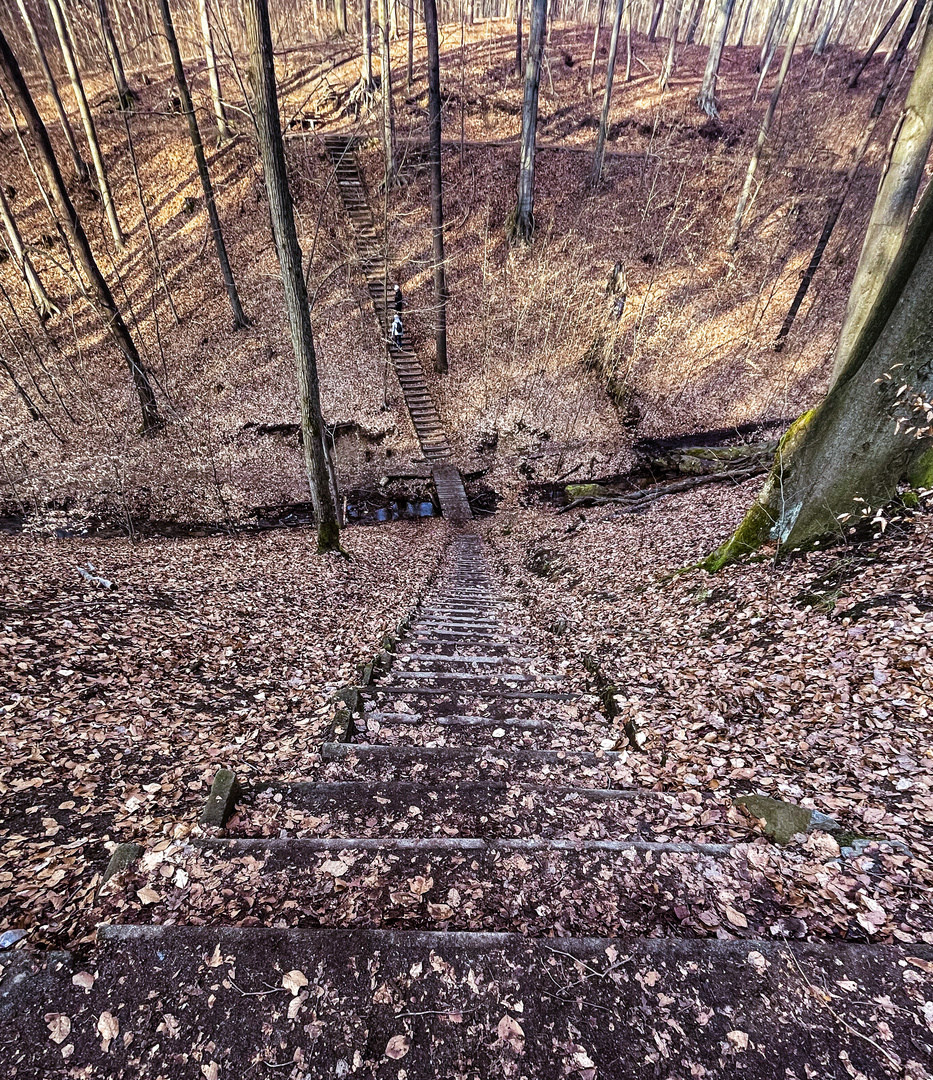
635, 500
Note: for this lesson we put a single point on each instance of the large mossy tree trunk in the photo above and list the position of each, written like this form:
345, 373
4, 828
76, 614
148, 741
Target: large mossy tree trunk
707, 96
437, 199
910, 147
281, 212
522, 226
187, 107
99, 293
842, 462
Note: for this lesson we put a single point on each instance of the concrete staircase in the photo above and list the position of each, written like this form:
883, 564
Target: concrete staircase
462, 888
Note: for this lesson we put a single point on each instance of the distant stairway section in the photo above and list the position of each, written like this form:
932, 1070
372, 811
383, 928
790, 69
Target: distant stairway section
341, 150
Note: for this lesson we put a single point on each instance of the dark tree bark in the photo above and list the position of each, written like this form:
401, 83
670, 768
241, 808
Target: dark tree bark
100, 290
873, 48
596, 29
523, 226
341, 16
124, 94
707, 98
519, 4
655, 19
187, 107
598, 157
272, 150
90, 130
80, 165
695, 17
437, 202
210, 56
835, 207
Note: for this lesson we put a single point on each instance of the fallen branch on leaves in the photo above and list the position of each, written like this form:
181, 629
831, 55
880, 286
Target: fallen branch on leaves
635, 500
93, 578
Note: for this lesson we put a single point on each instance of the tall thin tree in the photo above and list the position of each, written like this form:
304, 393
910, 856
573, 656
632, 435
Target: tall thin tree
44, 304
707, 97
99, 289
213, 76
71, 66
437, 201
765, 127
79, 163
272, 150
518, 36
124, 94
366, 76
385, 86
668, 70
522, 226
600, 154
187, 107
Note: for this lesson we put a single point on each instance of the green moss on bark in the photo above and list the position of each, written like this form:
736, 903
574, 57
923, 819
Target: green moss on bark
921, 473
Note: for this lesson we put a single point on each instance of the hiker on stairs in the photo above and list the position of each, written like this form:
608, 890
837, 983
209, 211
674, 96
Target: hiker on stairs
397, 333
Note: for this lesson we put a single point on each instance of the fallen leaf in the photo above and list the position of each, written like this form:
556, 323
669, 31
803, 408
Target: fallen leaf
739, 1039
293, 981
59, 1026
84, 979
398, 1046
510, 1031
108, 1027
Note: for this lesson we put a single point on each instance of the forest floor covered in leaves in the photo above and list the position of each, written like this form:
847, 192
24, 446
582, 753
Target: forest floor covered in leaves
532, 346
810, 680
120, 704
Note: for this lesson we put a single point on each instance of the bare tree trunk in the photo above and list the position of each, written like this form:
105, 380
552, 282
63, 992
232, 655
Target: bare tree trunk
437, 203
890, 215
368, 45
668, 69
76, 234
523, 226
655, 19
600, 154
272, 149
341, 16
776, 35
745, 17
628, 40
841, 462
44, 304
873, 48
596, 30
90, 131
220, 114
388, 116
187, 107
765, 128
411, 41
80, 165
835, 206
831, 16
518, 36
707, 98
695, 17
124, 95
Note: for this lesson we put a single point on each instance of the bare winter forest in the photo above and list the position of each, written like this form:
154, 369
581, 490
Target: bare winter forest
465, 476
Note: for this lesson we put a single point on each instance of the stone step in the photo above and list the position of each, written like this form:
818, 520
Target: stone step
488, 810
368, 760
374, 721
462, 658
529, 886
466, 1004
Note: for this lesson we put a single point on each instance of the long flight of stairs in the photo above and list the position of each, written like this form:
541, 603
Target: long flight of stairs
372, 254
462, 887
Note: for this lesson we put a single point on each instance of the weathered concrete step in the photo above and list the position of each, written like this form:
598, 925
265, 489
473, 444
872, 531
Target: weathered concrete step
528, 886
454, 693
468, 678
483, 809
386, 719
367, 760
458, 1014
